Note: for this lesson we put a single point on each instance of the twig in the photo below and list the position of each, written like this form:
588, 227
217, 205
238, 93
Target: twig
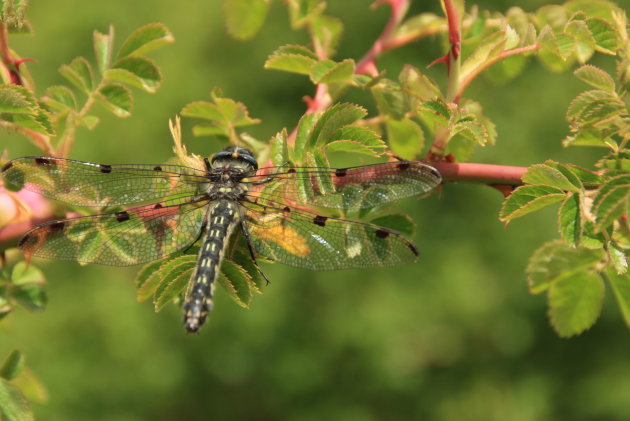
367, 64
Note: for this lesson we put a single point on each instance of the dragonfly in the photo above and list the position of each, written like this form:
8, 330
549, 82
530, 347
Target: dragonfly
283, 212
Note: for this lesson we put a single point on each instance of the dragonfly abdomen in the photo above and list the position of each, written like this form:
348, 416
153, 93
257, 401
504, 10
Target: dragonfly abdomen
221, 222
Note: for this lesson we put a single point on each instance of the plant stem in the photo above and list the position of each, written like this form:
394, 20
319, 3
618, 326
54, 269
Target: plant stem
367, 64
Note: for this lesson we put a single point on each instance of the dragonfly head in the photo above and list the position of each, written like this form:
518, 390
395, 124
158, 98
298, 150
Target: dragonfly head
236, 154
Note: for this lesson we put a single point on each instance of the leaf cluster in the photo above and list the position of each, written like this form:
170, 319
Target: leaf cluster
56, 116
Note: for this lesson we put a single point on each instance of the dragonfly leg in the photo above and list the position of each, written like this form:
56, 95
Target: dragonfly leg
251, 252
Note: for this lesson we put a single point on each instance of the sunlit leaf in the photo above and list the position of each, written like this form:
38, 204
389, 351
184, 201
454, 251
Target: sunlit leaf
571, 220
13, 405
236, 282
595, 77
79, 73
553, 177
405, 137
140, 72
145, 39
555, 260
526, 199
620, 284
116, 98
575, 302
12, 365
244, 18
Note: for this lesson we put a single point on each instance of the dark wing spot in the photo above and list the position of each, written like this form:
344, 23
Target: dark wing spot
291, 170
42, 161
157, 206
7, 166
381, 233
320, 220
341, 172
403, 166
435, 173
157, 168
105, 168
122, 216
413, 248
286, 209
57, 226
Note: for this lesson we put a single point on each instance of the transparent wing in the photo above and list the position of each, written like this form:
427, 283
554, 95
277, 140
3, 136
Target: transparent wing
343, 188
308, 240
136, 235
89, 184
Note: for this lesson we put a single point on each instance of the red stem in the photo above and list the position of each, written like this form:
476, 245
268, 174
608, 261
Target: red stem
480, 173
367, 64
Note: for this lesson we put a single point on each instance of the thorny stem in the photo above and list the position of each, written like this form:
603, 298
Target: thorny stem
453, 64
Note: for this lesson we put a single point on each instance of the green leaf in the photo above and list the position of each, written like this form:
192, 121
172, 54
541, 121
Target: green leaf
292, 58
326, 33
305, 129
279, 149
166, 270
62, 97
575, 302
604, 35
116, 98
435, 112
140, 72
337, 73
618, 258
611, 201
620, 284
530, 198
595, 105
244, 18
549, 176
487, 49
145, 39
32, 297
13, 405
417, 84
571, 220
595, 77
405, 137
390, 99
79, 73
576, 175
103, 45
174, 283
257, 283
16, 100
29, 287
335, 117
398, 222
555, 260
472, 130
236, 282
356, 139
12, 365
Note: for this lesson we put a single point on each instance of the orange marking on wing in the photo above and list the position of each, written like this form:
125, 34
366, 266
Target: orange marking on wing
287, 238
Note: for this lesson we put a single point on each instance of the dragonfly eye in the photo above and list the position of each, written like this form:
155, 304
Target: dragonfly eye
235, 153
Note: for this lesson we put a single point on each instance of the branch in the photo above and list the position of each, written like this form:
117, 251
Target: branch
480, 173
367, 64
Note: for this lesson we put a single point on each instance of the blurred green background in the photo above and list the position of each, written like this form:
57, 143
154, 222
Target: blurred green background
454, 337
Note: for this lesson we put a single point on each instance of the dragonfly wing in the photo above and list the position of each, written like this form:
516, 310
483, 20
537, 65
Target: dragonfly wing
136, 235
89, 184
344, 188
308, 240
